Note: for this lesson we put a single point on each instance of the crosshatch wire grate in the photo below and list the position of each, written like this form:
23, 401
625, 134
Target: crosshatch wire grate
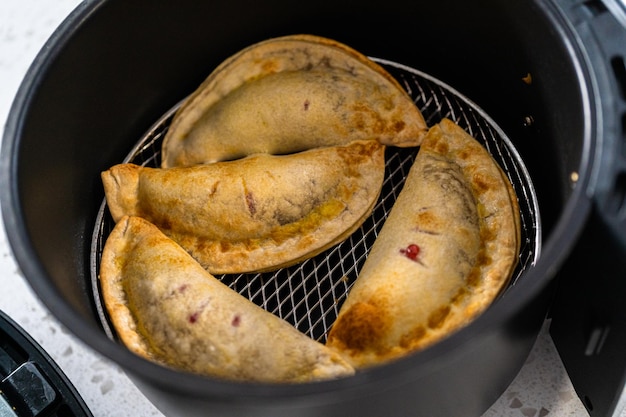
308, 295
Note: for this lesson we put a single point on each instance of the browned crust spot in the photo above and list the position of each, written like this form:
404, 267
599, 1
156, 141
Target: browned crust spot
437, 317
409, 340
362, 327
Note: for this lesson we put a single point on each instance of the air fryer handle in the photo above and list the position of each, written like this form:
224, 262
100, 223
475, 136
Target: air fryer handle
589, 314
589, 317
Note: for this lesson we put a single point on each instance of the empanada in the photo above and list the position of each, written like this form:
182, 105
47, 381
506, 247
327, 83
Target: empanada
258, 213
290, 94
167, 308
447, 249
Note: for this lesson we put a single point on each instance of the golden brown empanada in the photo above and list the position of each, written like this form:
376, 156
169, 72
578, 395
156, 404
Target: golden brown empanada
258, 213
446, 250
167, 308
290, 94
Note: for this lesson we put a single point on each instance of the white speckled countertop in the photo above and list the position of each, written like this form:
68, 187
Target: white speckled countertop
542, 388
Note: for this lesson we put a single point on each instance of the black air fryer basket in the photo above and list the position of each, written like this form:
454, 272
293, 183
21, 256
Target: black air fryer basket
542, 84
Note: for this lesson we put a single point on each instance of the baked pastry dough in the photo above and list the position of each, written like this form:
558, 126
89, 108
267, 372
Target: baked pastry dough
290, 94
258, 213
168, 309
447, 249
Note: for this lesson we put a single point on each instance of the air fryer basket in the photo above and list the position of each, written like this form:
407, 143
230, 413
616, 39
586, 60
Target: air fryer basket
309, 295
115, 67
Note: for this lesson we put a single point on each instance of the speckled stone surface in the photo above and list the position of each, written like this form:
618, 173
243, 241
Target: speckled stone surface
541, 389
